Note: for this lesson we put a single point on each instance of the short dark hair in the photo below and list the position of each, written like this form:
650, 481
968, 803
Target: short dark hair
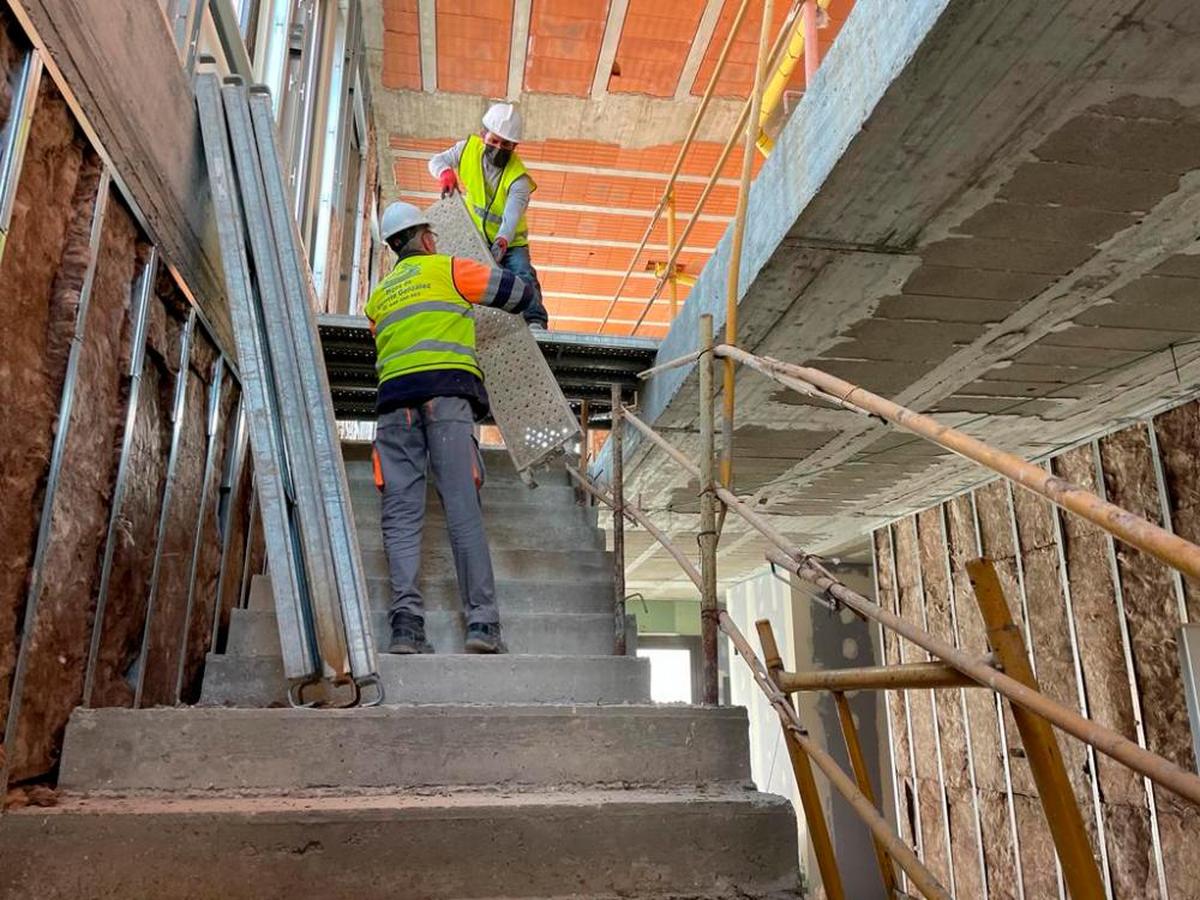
402, 241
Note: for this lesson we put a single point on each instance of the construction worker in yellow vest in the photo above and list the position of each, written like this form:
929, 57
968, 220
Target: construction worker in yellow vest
430, 395
487, 171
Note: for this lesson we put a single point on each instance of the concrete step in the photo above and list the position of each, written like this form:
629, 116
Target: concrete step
508, 563
463, 845
493, 493
547, 529
257, 681
440, 591
256, 633
504, 747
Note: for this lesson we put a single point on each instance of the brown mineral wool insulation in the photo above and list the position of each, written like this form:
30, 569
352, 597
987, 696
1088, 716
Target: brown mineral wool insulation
1038, 869
170, 603
964, 842
61, 634
11, 56
1130, 852
995, 521
1102, 658
1179, 834
40, 276
981, 707
998, 850
897, 700
1178, 434
208, 568
912, 602
935, 854
239, 524
137, 530
1151, 606
935, 577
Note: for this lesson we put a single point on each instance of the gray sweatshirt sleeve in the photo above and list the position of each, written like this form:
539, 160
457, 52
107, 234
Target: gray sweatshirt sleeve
447, 159
514, 207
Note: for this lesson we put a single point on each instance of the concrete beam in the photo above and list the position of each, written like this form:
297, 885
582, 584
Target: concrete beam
698, 48
617, 10
427, 17
518, 48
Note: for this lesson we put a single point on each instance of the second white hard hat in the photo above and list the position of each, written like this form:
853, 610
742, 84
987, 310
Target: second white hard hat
504, 120
400, 216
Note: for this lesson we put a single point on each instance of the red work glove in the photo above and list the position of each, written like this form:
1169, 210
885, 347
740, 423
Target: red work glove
499, 248
449, 181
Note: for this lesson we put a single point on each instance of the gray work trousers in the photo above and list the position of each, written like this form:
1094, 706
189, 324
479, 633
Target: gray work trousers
438, 435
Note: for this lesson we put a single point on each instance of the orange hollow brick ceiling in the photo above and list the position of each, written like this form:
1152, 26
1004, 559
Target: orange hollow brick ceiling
594, 199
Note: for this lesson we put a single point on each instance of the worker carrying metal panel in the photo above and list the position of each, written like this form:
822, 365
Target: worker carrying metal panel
430, 395
486, 169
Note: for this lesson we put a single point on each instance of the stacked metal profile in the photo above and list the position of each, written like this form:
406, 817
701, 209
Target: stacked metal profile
312, 548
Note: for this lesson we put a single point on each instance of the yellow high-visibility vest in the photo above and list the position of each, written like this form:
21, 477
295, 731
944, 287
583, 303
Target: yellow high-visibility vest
487, 209
422, 322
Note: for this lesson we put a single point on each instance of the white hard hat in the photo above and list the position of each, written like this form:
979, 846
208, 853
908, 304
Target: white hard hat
399, 217
504, 121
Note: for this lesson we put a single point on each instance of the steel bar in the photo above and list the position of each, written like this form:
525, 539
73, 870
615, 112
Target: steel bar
178, 410
53, 477
295, 405
858, 762
12, 154
708, 516
1041, 745
968, 739
1154, 767
584, 413
231, 479
137, 358
685, 360
697, 117
272, 498
212, 428
727, 497
673, 258
734, 272
1134, 530
617, 436
909, 676
330, 473
842, 783
806, 785
634, 513
1135, 694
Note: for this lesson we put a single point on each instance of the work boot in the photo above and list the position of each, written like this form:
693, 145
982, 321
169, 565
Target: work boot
485, 638
408, 635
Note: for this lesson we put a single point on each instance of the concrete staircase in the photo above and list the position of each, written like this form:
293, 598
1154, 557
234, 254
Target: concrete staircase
542, 773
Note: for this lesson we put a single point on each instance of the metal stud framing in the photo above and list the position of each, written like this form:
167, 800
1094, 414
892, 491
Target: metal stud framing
1008, 790
16, 138
66, 403
1131, 675
178, 411
962, 699
1027, 626
142, 298
937, 729
1081, 692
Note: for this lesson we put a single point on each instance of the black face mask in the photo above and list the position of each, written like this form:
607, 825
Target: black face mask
498, 156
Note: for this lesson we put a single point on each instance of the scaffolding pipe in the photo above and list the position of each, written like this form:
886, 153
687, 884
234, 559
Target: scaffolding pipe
1161, 771
618, 481
705, 100
843, 783
908, 676
708, 516
1164, 546
635, 514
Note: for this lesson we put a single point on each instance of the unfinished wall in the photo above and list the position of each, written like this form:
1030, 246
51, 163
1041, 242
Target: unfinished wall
40, 277
169, 601
138, 519
1101, 621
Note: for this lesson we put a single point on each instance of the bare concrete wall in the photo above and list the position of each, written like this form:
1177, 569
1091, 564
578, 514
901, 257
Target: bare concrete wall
1101, 621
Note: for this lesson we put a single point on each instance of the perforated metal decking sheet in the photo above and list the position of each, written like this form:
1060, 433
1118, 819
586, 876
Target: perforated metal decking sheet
527, 403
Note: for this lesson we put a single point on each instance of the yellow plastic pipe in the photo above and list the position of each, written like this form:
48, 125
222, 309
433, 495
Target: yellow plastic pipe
780, 78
